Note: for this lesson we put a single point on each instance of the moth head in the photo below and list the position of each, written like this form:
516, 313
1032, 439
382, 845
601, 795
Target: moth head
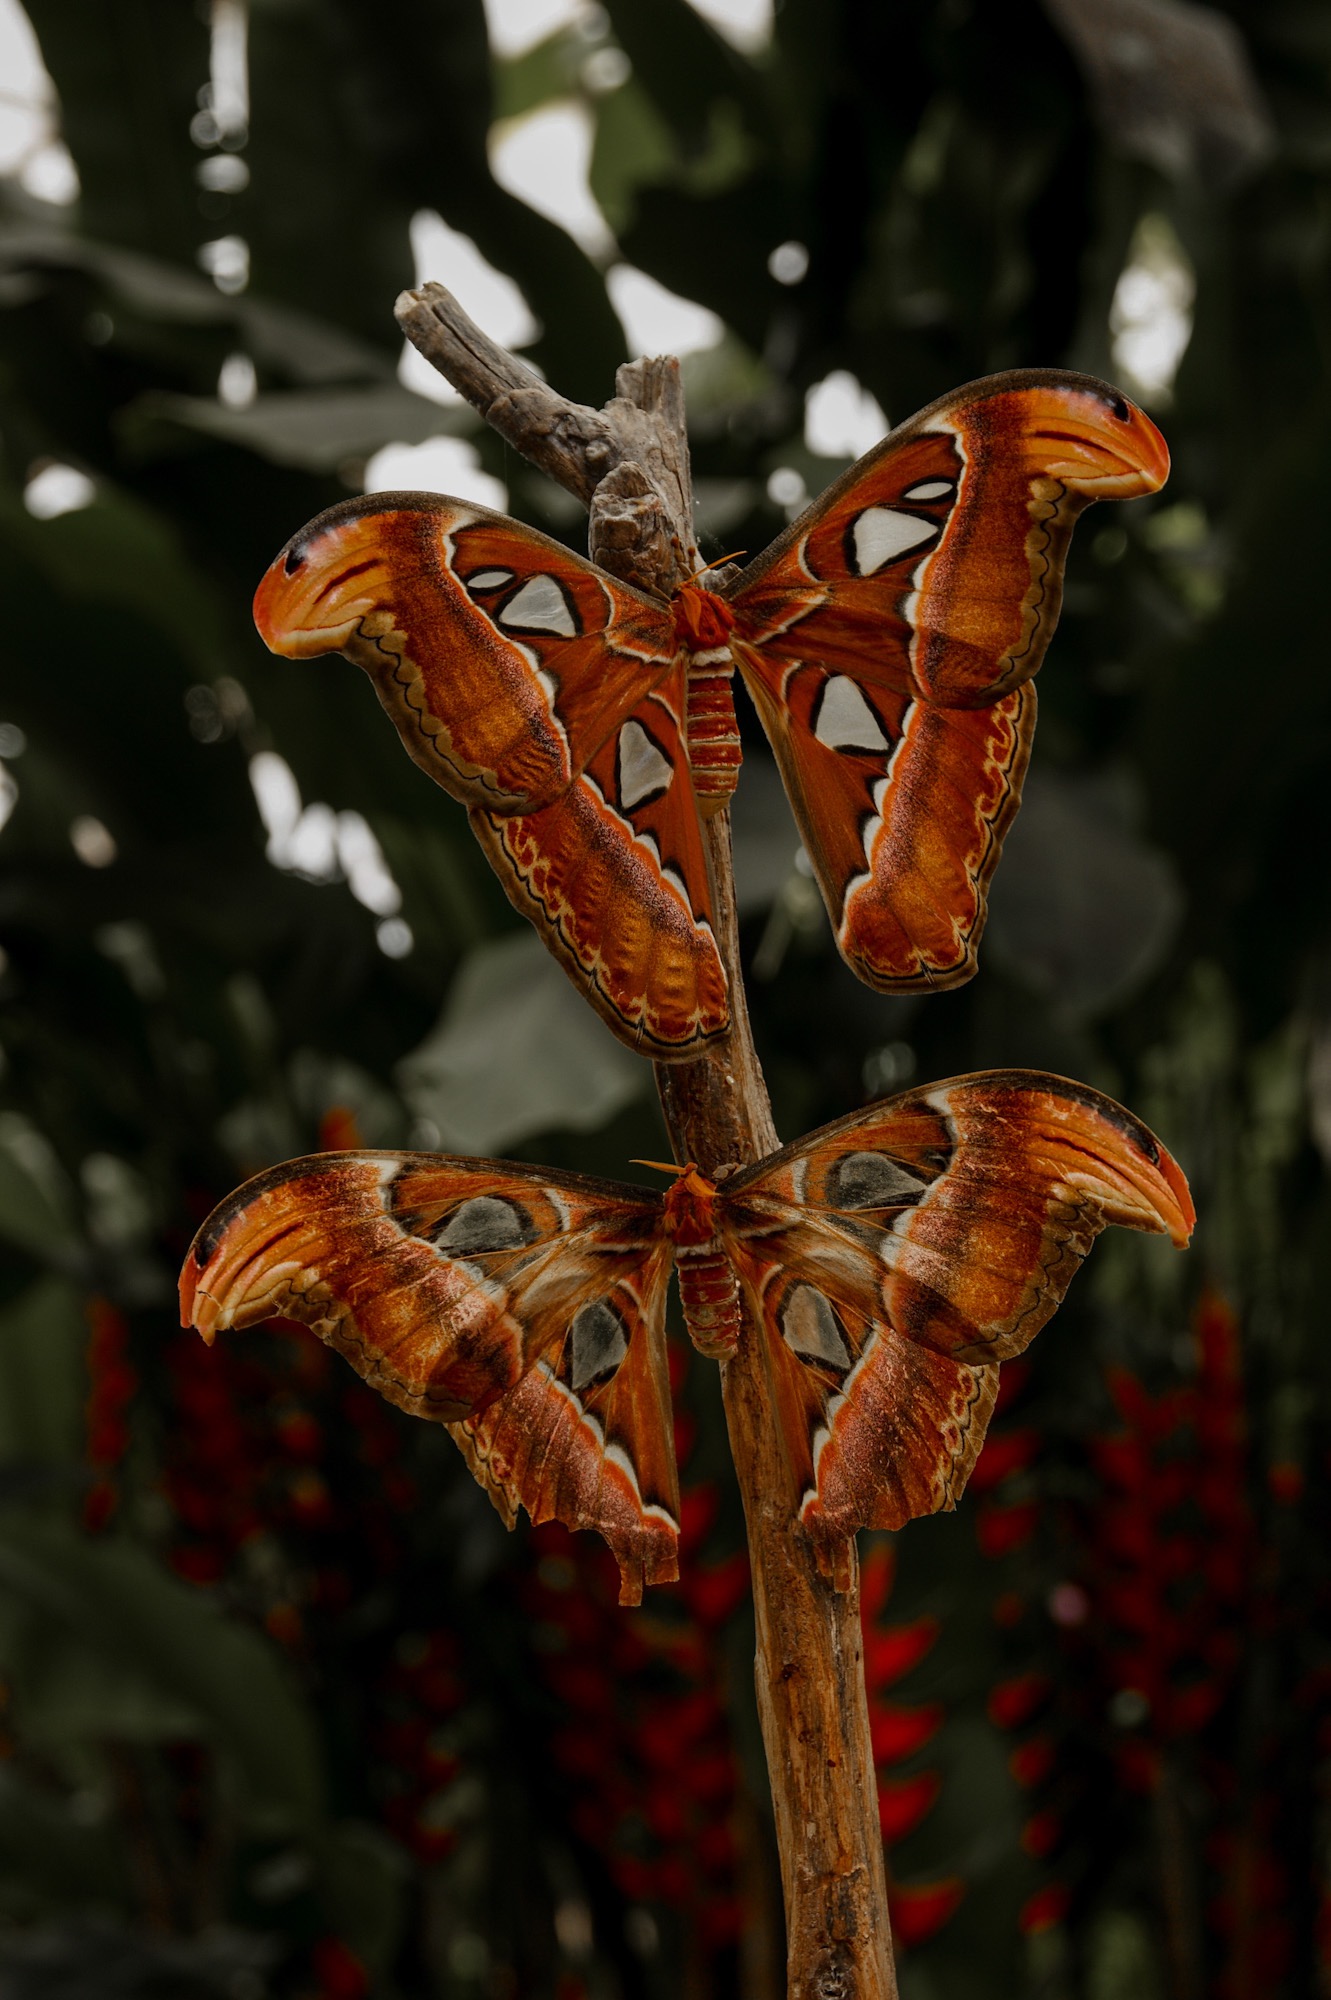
689, 1208
702, 619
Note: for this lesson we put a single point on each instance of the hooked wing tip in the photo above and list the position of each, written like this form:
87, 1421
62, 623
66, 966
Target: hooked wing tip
1153, 461
197, 1307
286, 623
189, 1278
1181, 1218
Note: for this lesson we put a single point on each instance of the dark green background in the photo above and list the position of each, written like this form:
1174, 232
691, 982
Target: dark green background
285, 1712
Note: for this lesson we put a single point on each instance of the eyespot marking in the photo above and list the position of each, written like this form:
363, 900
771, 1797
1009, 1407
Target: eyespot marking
540, 606
598, 1343
843, 719
488, 579
486, 1222
880, 534
809, 1328
872, 1180
642, 771
932, 489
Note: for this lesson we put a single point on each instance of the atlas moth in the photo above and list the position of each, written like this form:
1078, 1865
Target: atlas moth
887, 1264
887, 639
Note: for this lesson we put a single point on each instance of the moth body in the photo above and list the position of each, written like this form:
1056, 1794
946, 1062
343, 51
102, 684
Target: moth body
703, 623
708, 1288
712, 732
709, 1294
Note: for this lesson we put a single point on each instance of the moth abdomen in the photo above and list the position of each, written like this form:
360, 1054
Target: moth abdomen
709, 1294
715, 752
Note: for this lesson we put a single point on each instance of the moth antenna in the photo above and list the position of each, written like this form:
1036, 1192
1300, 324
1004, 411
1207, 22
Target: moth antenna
665, 1166
715, 563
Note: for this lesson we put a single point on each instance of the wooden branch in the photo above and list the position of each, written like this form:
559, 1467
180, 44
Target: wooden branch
630, 464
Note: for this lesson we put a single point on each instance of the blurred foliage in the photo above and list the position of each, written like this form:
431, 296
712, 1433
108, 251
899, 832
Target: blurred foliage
284, 1711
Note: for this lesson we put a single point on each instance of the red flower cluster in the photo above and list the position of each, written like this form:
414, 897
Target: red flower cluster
339, 1972
112, 1382
214, 1463
1007, 1518
266, 1435
1154, 1623
645, 1740
919, 1909
1172, 1551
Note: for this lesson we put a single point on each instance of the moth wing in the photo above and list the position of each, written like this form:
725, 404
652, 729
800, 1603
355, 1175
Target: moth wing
524, 1309
894, 1259
903, 807
886, 639
935, 564
614, 875
504, 660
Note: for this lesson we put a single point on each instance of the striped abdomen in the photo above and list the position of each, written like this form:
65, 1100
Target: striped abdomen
712, 731
709, 1294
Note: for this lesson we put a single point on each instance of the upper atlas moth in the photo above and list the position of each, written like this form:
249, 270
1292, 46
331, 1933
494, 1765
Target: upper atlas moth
887, 639
886, 1264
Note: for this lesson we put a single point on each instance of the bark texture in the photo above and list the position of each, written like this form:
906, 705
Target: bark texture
630, 464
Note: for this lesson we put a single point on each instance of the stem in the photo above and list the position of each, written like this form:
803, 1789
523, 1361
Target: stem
630, 464
1177, 1890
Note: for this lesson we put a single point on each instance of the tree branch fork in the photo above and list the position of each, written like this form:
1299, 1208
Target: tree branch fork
629, 464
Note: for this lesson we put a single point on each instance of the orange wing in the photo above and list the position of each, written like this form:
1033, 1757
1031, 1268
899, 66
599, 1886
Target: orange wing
903, 807
549, 698
885, 638
504, 660
893, 1259
935, 564
523, 1309
614, 876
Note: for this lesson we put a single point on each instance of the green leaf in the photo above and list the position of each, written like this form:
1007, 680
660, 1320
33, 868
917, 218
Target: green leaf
517, 1052
365, 1877
43, 1339
119, 552
44, 1847
1082, 908
36, 1201
128, 88
317, 429
633, 148
177, 1653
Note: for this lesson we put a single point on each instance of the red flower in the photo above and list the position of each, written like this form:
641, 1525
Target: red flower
646, 1748
898, 1732
1004, 1453
919, 1912
340, 1973
1042, 1833
1000, 1530
1014, 1702
1047, 1907
904, 1802
890, 1654
1032, 1761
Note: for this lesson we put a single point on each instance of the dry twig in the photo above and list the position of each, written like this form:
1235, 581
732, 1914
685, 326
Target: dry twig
630, 464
